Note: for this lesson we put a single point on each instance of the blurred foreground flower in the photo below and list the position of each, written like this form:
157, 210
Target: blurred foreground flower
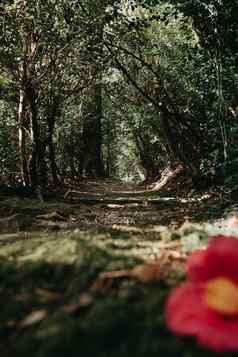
206, 305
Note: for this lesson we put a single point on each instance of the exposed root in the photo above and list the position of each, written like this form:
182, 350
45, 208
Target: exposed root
172, 179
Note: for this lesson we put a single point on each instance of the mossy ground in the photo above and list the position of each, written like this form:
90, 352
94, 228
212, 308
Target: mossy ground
126, 319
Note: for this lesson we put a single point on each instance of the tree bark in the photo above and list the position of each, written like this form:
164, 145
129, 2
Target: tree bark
22, 139
91, 148
53, 166
37, 165
91, 157
51, 125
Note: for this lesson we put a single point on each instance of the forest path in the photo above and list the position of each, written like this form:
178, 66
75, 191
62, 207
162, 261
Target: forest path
110, 204
115, 202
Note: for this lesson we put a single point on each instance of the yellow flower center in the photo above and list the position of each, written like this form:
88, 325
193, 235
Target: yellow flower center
221, 294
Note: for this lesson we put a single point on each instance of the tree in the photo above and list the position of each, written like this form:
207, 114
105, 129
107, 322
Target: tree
35, 36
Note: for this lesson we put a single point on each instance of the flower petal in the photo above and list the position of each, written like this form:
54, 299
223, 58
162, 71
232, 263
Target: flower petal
187, 314
219, 259
220, 334
185, 309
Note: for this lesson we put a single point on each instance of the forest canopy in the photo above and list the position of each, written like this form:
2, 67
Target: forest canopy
126, 89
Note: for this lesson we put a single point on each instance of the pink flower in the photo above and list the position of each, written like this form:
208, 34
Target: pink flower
206, 305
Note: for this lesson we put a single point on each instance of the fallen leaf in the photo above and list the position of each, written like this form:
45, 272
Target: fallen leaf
52, 216
168, 263
33, 318
48, 295
144, 273
115, 274
84, 301
101, 284
23, 297
147, 273
104, 280
11, 324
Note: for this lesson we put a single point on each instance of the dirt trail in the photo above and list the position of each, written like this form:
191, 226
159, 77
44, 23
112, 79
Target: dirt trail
112, 202
108, 204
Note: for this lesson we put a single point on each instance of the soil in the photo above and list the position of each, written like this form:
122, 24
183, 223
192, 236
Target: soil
54, 298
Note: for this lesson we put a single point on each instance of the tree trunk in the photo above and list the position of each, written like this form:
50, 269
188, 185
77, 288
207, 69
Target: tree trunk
182, 144
91, 160
146, 155
37, 165
51, 125
53, 166
22, 139
91, 148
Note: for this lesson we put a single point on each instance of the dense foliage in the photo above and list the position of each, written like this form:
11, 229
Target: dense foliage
124, 89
